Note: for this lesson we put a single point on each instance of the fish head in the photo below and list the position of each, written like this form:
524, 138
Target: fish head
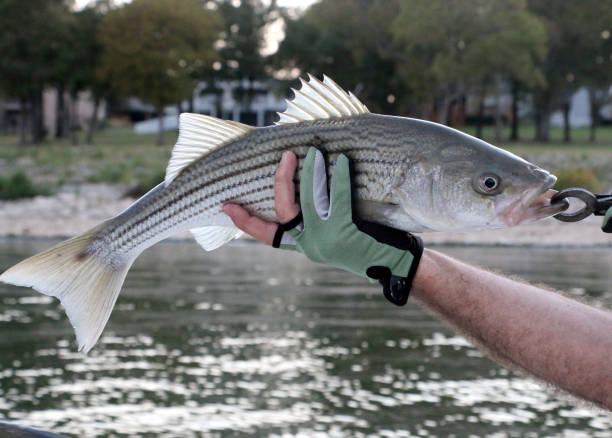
461, 183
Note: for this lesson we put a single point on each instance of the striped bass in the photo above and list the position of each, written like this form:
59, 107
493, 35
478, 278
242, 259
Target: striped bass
409, 174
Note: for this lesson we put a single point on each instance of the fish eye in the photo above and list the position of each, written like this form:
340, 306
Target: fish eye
488, 184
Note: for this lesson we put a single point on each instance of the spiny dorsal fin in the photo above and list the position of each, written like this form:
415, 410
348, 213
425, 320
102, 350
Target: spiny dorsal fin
199, 134
320, 100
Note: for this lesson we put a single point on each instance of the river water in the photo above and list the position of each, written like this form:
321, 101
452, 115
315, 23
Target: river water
250, 341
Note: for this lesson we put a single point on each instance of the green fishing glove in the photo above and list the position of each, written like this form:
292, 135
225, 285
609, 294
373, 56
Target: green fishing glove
326, 232
607, 222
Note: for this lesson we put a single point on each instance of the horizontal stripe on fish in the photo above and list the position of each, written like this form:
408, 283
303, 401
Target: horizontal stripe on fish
197, 192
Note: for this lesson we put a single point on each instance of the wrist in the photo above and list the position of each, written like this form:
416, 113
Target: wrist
427, 273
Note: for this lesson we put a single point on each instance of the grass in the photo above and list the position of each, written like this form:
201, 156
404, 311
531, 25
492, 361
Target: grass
118, 156
121, 156
579, 136
19, 186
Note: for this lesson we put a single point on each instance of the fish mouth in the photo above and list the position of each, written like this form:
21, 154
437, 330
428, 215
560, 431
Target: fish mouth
535, 205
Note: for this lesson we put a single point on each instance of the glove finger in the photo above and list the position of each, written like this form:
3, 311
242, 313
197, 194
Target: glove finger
306, 187
320, 195
341, 188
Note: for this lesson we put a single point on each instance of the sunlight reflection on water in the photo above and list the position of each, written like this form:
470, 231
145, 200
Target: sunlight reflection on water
247, 340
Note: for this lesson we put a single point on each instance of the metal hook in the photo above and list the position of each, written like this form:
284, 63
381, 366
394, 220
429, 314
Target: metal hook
594, 204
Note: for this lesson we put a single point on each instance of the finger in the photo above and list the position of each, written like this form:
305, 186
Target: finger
284, 188
258, 228
341, 187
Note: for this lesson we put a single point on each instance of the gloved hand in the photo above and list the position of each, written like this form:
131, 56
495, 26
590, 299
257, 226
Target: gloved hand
325, 232
606, 226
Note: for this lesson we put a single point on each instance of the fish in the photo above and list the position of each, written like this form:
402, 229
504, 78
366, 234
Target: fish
410, 174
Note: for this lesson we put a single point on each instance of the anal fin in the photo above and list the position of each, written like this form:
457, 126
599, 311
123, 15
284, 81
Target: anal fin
213, 237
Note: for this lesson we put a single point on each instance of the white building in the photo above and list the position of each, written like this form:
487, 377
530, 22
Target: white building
251, 103
580, 110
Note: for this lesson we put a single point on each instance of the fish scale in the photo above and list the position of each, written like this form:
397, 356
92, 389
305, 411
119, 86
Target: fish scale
243, 172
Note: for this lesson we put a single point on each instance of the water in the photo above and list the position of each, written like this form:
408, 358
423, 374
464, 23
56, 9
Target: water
252, 341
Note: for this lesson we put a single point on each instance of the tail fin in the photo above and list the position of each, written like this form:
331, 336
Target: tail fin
85, 285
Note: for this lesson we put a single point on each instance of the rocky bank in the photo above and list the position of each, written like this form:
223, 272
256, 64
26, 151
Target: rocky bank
75, 209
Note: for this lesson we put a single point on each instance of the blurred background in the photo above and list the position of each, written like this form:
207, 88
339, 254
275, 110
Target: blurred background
111, 76
222, 344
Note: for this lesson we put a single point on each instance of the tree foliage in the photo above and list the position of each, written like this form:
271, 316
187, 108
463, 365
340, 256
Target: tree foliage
242, 39
459, 45
30, 42
578, 53
151, 47
349, 41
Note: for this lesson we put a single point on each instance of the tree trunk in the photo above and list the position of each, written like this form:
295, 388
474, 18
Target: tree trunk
542, 104
542, 119
594, 105
514, 132
447, 111
60, 122
190, 102
498, 116
93, 121
23, 121
75, 125
160, 127
38, 130
480, 118
566, 121
594, 123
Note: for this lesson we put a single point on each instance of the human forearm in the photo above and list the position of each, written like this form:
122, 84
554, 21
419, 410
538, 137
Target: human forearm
554, 338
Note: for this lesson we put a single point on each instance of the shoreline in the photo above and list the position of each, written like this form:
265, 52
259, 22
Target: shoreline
74, 210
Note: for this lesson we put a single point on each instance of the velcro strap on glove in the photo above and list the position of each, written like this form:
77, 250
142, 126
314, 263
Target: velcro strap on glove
280, 230
396, 289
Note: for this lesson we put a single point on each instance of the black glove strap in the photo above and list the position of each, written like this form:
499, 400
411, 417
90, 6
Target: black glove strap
278, 236
396, 289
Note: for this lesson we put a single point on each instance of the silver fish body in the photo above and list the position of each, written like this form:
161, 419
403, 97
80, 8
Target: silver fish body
410, 174
407, 173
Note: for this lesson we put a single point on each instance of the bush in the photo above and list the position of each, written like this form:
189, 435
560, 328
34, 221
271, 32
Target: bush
579, 177
110, 173
19, 186
146, 184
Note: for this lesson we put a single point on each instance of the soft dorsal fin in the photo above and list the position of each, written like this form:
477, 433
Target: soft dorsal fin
320, 100
199, 134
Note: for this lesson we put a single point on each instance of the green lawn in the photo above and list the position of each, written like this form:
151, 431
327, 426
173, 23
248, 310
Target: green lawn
579, 136
121, 156
118, 155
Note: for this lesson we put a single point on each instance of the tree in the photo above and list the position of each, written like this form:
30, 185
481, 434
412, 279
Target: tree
30, 44
241, 45
79, 58
513, 43
349, 41
151, 47
574, 44
464, 46
595, 39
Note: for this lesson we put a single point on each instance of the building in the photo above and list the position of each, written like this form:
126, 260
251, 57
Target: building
80, 110
253, 103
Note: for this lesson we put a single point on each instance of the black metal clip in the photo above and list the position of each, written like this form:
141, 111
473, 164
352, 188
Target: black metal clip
593, 204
